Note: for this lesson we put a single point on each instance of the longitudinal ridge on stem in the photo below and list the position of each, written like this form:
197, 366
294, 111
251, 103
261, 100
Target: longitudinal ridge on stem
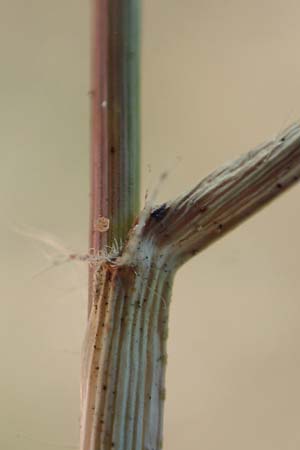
123, 380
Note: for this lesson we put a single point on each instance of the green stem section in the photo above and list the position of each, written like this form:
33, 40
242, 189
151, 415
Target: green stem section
123, 380
123, 105
115, 120
130, 137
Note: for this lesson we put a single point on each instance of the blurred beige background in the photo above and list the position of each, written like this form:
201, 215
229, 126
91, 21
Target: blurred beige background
219, 77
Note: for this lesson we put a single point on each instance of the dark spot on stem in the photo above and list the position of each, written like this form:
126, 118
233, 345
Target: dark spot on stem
159, 213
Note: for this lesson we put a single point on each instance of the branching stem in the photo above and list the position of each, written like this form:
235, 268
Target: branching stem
227, 197
124, 355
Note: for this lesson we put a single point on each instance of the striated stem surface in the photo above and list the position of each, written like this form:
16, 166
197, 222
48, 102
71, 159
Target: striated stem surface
227, 197
124, 355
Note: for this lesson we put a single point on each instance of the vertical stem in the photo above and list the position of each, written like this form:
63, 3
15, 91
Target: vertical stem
123, 379
115, 128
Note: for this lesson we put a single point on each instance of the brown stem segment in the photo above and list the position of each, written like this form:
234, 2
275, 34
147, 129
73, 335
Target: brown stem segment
100, 132
115, 140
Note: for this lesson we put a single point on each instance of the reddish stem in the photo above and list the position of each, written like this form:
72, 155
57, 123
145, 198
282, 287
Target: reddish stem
114, 190
99, 127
